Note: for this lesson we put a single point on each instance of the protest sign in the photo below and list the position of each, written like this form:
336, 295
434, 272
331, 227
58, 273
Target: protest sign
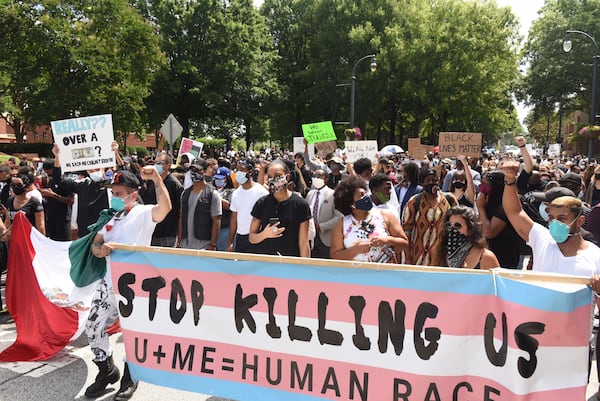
416, 149
85, 142
254, 327
460, 143
359, 149
318, 132
299, 146
325, 148
190, 146
554, 149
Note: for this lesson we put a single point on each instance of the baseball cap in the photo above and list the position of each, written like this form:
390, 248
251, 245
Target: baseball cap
570, 177
199, 163
336, 160
552, 194
222, 172
126, 178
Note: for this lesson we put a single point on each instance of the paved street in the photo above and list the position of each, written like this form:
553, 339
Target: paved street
66, 376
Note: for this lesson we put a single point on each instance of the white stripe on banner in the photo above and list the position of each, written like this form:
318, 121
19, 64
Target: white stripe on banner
551, 373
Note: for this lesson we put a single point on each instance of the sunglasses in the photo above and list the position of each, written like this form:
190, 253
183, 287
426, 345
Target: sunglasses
456, 225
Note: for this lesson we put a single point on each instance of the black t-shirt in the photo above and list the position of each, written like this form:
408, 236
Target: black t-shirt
56, 211
291, 213
167, 227
92, 198
507, 244
32, 207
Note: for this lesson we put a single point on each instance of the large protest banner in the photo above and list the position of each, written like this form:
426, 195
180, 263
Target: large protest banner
252, 327
460, 143
85, 142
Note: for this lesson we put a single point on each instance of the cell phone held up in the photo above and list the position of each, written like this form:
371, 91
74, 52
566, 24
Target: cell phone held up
273, 220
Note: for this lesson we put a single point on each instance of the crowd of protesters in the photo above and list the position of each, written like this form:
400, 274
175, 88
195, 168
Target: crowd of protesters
495, 210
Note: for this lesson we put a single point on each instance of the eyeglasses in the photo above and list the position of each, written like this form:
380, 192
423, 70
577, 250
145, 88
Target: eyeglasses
456, 225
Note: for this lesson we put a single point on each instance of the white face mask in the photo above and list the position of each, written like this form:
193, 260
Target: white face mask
543, 212
318, 183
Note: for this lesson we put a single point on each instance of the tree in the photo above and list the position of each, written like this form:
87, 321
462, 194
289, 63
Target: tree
219, 57
553, 76
67, 59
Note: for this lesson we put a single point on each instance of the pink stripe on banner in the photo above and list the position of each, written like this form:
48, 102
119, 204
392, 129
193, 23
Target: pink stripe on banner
329, 379
219, 291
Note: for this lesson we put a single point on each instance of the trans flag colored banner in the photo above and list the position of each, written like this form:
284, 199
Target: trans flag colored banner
268, 328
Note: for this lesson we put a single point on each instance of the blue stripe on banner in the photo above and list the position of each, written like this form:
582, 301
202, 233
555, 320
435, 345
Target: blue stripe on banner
542, 298
519, 292
214, 387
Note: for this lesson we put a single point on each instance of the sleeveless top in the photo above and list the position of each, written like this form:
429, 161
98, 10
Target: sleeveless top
359, 230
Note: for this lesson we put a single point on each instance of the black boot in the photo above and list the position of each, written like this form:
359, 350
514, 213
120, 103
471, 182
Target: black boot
108, 374
127, 388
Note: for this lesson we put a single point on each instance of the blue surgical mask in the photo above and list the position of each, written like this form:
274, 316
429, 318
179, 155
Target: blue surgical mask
559, 230
117, 203
365, 203
96, 176
159, 168
241, 177
219, 183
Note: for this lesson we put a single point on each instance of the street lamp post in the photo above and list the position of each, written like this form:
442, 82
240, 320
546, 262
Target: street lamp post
567, 46
353, 83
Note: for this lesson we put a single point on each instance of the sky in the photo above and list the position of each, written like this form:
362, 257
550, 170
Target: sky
525, 10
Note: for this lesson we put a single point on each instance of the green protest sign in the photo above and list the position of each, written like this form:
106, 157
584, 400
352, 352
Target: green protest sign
318, 132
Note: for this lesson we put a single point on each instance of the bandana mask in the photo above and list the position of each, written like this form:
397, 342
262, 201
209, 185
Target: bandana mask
458, 247
277, 184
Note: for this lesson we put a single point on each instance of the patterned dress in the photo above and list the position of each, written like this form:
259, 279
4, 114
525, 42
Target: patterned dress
423, 222
372, 226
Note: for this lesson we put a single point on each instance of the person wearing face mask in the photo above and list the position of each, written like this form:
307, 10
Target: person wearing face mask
336, 166
325, 216
280, 220
242, 202
57, 205
365, 233
222, 181
131, 224
165, 233
5, 178
92, 192
21, 201
497, 228
462, 186
380, 187
408, 183
201, 210
463, 243
423, 221
560, 248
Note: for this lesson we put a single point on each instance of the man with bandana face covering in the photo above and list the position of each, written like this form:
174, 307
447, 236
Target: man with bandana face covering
423, 221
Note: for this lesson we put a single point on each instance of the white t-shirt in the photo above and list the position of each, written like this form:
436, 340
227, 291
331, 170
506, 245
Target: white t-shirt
547, 257
135, 228
242, 202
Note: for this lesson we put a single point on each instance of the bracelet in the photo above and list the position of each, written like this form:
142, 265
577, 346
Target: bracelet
212, 245
510, 183
522, 146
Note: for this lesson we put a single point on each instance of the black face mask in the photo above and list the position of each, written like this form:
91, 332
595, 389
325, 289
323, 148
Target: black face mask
18, 189
459, 185
430, 188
